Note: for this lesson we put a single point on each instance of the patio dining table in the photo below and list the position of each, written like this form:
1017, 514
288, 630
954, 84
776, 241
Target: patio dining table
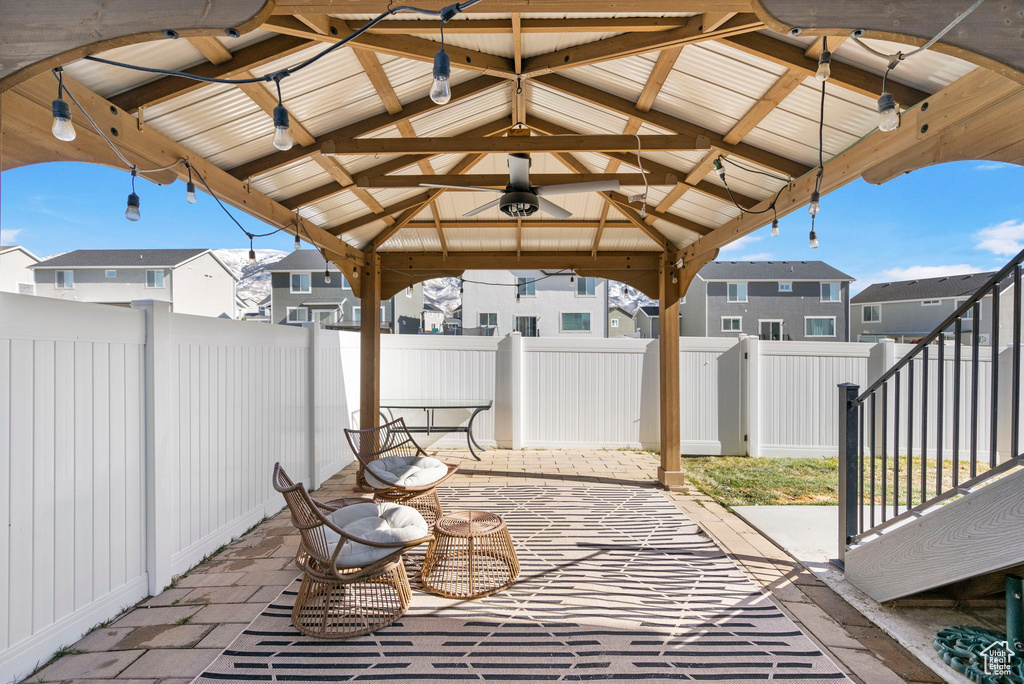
429, 406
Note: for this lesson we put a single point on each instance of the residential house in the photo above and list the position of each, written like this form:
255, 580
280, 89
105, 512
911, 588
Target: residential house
300, 292
194, 281
548, 305
15, 274
433, 319
256, 309
910, 309
776, 300
646, 320
621, 323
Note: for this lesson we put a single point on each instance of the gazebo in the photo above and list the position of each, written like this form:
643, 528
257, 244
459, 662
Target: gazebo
710, 114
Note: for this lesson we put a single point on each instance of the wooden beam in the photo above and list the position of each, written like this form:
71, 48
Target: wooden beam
843, 75
622, 203
554, 224
778, 92
410, 47
378, 79
504, 145
389, 166
363, 127
628, 44
604, 99
258, 93
517, 42
968, 109
536, 6
670, 474
714, 20
249, 57
321, 23
702, 168
150, 145
500, 180
369, 345
656, 80
211, 48
504, 26
814, 50
634, 262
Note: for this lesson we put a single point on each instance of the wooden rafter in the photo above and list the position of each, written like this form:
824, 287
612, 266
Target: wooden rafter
247, 58
554, 224
211, 48
258, 93
363, 127
493, 145
814, 49
500, 180
554, 6
601, 98
778, 92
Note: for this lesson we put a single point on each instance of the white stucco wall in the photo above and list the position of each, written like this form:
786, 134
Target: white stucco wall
14, 265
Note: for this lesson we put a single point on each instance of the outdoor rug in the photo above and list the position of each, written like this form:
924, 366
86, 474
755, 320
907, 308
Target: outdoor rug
617, 585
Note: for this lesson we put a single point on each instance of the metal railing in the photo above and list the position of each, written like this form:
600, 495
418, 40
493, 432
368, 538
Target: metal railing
888, 470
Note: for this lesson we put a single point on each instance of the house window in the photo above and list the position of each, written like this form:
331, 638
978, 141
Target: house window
785, 287
871, 313
830, 292
527, 287
300, 283
345, 284
154, 278
65, 280
489, 323
297, 314
615, 322
732, 323
383, 314
737, 292
931, 302
110, 273
27, 288
575, 322
969, 314
357, 313
820, 326
585, 287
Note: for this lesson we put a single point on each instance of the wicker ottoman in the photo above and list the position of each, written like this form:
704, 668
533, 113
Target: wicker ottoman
471, 556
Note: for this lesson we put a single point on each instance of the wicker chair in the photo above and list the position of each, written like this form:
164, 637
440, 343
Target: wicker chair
338, 598
393, 441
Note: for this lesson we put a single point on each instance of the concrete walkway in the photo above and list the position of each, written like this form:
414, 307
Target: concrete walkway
173, 637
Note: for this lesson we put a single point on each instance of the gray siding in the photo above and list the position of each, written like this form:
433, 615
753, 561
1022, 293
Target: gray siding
283, 298
626, 326
904, 321
693, 310
765, 302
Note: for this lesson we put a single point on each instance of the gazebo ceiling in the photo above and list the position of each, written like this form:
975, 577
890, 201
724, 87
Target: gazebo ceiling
648, 98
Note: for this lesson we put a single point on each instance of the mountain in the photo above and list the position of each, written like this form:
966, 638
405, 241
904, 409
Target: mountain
444, 294
253, 279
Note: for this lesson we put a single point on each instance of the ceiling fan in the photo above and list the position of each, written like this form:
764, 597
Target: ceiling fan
519, 199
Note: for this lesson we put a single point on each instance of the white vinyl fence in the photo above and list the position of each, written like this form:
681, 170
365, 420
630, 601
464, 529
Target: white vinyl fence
134, 441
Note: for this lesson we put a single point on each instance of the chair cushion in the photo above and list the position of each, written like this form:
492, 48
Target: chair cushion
405, 471
378, 522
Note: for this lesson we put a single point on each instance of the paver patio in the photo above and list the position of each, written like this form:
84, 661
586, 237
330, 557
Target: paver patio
175, 636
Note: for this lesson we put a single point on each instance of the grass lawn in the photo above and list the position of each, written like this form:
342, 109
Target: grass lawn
741, 481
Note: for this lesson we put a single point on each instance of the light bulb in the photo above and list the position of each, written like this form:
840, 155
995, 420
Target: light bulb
62, 127
327, 276
888, 116
440, 90
572, 279
408, 293
824, 66
283, 139
462, 288
190, 192
675, 278
720, 169
298, 243
814, 240
775, 228
131, 212
355, 272
252, 256
517, 296
815, 206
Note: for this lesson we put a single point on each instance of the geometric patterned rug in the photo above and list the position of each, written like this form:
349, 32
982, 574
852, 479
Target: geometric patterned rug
617, 585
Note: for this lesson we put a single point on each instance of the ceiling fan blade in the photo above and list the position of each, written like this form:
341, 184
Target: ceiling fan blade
569, 188
519, 170
552, 209
482, 208
474, 188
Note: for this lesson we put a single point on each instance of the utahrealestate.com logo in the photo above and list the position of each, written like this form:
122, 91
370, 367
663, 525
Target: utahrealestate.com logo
998, 659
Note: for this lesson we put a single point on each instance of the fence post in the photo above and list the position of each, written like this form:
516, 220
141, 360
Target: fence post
315, 439
752, 387
159, 510
849, 452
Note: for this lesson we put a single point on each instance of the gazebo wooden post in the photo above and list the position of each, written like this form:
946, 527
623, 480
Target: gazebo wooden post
670, 473
369, 344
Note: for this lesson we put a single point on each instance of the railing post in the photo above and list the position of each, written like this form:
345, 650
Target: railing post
160, 513
849, 454
314, 443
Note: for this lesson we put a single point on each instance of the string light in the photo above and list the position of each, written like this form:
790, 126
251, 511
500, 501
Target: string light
440, 90
283, 139
814, 239
462, 287
517, 296
252, 252
824, 61
131, 212
62, 128
815, 205
775, 227
888, 115
298, 242
190, 187
355, 271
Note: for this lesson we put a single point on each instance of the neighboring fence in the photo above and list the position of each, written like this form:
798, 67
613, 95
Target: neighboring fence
135, 441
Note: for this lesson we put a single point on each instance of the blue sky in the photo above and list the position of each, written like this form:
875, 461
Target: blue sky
953, 218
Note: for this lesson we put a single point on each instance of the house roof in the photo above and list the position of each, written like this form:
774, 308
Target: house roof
10, 248
650, 309
301, 260
430, 307
124, 258
619, 308
772, 270
924, 288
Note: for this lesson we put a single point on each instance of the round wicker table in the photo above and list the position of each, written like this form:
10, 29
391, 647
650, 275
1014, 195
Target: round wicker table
471, 556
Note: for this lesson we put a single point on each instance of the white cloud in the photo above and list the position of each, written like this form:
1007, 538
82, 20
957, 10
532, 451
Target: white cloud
1004, 239
744, 241
759, 256
917, 272
990, 166
9, 235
